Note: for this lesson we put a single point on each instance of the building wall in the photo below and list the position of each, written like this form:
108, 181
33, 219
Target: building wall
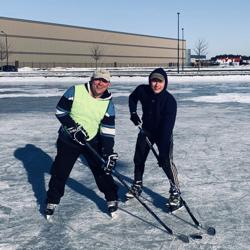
46, 44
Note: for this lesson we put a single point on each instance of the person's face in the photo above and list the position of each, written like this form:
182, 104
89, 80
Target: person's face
157, 85
99, 86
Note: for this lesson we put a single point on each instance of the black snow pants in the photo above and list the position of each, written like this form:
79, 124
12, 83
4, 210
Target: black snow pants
141, 153
65, 159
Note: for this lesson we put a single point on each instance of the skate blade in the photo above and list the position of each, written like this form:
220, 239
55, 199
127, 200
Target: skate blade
173, 210
49, 218
129, 198
114, 215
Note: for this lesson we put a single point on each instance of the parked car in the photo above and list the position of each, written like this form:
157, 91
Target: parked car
8, 68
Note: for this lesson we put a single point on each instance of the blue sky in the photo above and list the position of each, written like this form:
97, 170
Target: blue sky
223, 24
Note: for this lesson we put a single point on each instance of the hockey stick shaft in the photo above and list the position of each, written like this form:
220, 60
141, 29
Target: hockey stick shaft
157, 157
149, 143
117, 175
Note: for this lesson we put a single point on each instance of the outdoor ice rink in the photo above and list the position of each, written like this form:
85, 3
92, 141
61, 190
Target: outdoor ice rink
211, 152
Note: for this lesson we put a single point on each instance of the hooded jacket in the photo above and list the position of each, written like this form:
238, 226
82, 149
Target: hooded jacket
159, 113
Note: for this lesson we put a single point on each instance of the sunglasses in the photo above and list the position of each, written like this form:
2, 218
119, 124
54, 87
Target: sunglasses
101, 79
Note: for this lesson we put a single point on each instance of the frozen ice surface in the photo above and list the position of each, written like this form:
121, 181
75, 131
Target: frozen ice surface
212, 145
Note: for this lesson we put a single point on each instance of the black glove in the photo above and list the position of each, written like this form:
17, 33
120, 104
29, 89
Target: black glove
110, 162
135, 118
78, 134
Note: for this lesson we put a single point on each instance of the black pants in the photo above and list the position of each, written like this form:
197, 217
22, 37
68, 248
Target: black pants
140, 157
66, 157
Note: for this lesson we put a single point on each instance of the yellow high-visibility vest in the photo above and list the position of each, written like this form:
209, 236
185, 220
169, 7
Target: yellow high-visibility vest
87, 110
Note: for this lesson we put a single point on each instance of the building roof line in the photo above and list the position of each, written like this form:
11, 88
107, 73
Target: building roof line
80, 27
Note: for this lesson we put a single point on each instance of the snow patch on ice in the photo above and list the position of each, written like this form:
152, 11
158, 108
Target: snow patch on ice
29, 92
181, 91
120, 94
4, 185
221, 98
29, 95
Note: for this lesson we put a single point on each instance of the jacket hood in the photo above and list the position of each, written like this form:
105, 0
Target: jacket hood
162, 72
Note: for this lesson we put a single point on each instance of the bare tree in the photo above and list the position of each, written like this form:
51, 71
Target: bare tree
3, 52
96, 53
200, 49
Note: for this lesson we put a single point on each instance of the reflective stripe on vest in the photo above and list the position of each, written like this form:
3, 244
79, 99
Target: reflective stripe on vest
87, 110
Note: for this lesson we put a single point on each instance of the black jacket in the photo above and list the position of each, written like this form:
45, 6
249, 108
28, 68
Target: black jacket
159, 113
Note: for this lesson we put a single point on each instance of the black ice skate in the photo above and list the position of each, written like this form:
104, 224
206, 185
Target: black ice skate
135, 190
112, 207
49, 211
174, 201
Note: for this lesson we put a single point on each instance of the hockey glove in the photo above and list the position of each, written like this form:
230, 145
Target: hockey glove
110, 162
78, 134
135, 118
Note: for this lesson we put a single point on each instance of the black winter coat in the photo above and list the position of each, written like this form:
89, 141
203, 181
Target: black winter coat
159, 114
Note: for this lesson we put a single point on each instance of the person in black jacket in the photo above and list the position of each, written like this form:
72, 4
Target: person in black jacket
159, 109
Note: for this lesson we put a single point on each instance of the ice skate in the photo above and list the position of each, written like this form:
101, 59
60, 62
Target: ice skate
135, 190
49, 211
174, 202
112, 208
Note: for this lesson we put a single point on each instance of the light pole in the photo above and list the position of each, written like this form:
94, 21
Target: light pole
182, 49
6, 45
178, 45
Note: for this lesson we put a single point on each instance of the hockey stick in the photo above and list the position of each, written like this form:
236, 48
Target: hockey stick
115, 173
210, 230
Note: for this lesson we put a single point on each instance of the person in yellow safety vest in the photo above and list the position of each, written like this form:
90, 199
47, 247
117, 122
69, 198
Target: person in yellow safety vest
86, 113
